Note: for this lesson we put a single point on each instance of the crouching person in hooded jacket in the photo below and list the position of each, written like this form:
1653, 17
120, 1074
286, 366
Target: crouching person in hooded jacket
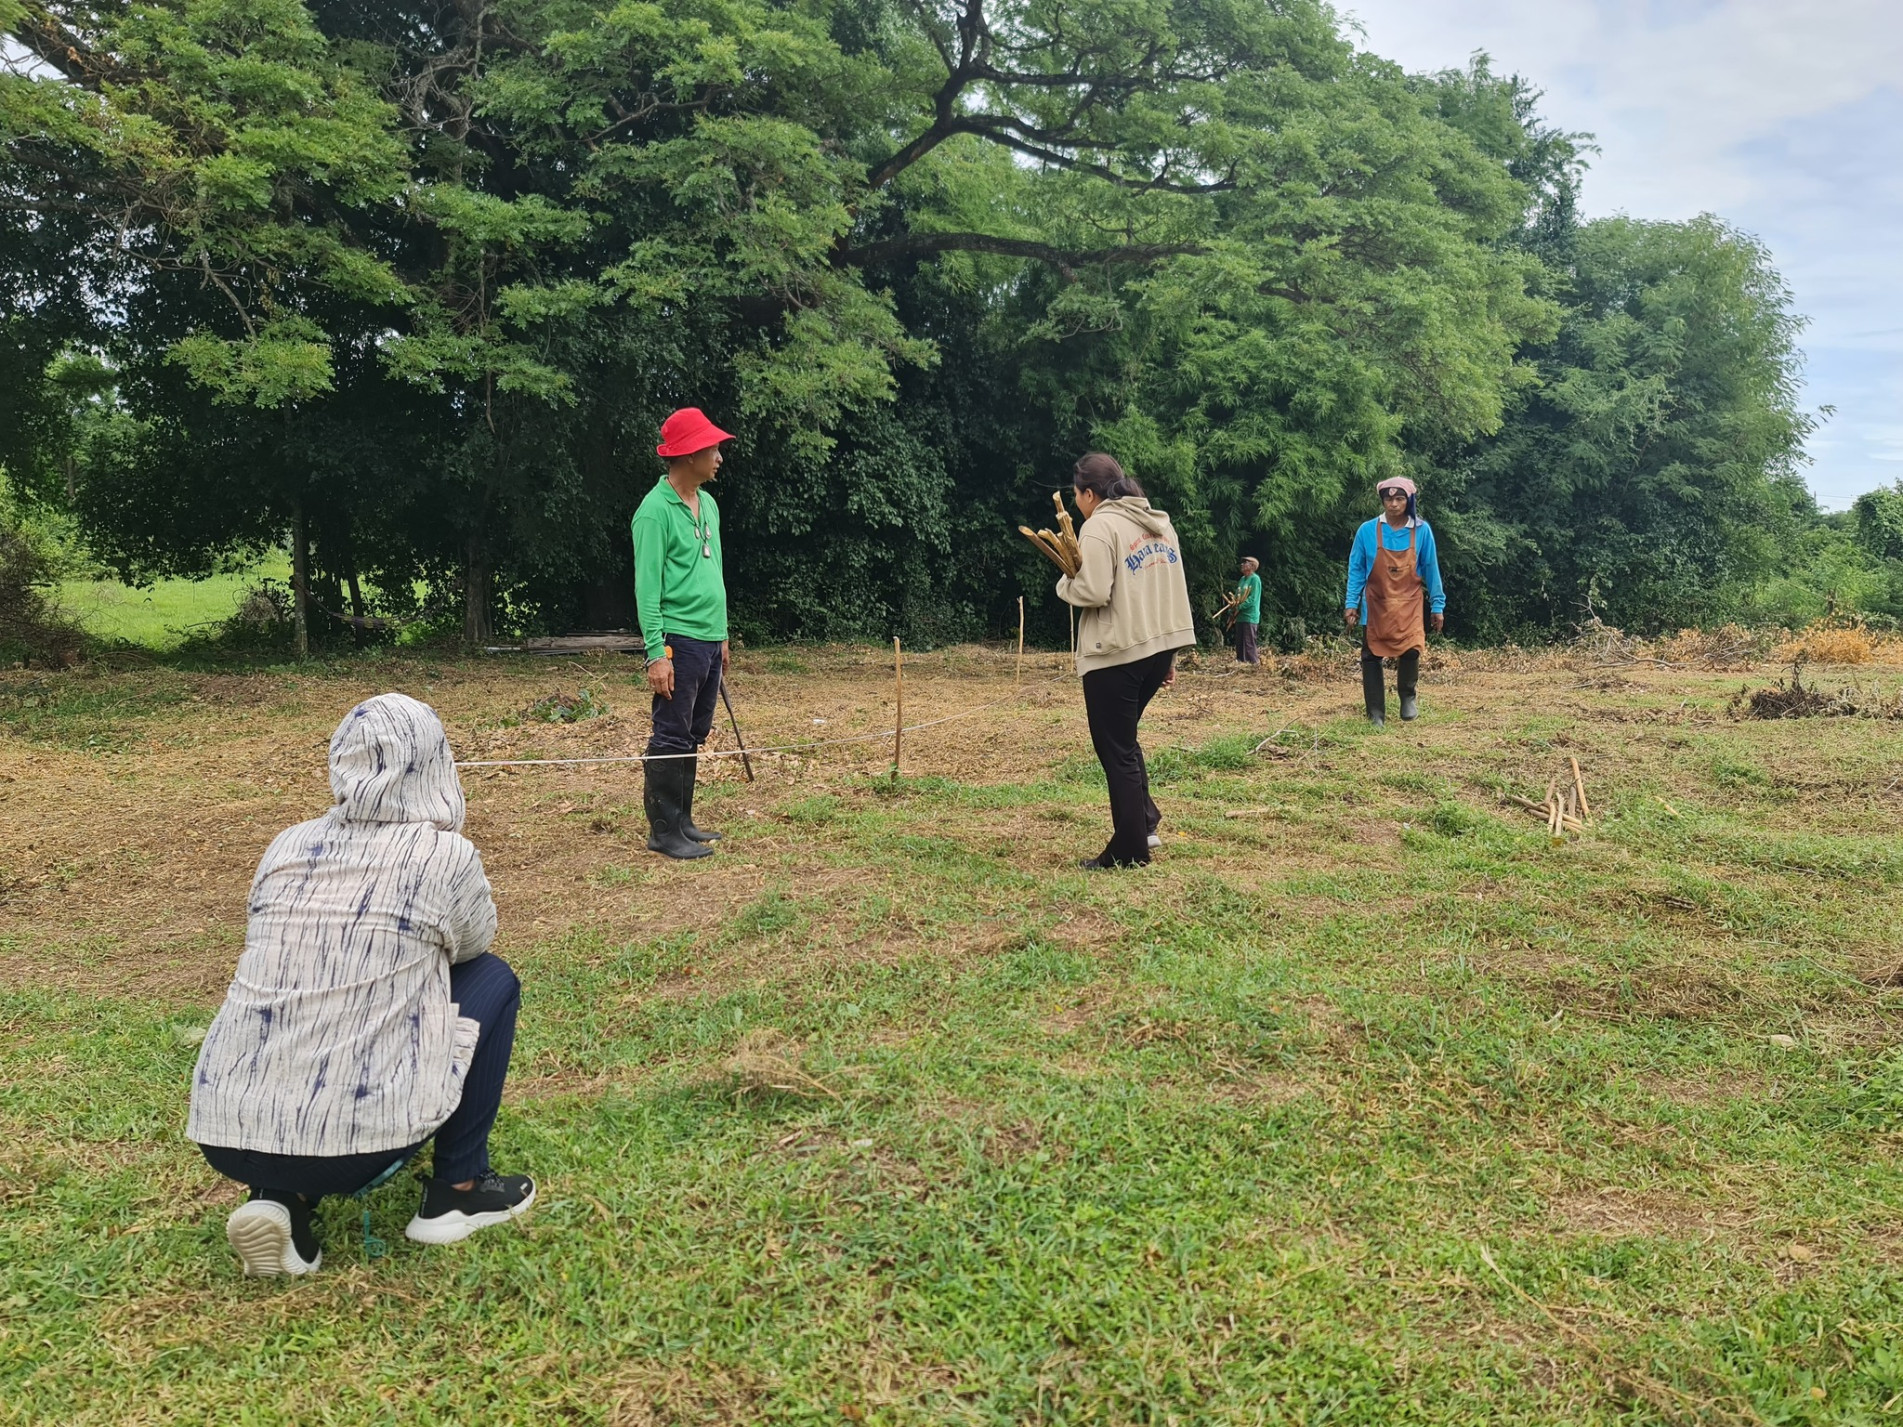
367, 1016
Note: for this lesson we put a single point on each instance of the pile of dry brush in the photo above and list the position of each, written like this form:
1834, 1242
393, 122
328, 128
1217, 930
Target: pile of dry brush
1792, 698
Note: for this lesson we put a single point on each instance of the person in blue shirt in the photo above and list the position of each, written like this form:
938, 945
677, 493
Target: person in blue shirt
1394, 592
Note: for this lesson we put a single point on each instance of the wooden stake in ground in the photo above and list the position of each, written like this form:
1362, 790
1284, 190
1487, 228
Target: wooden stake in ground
898, 721
1579, 787
1020, 672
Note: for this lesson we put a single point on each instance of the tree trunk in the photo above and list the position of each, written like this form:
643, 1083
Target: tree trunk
477, 630
301, 580
359, 631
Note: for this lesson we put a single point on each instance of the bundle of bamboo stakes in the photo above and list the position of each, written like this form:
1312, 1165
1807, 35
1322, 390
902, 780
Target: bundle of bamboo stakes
1060, 548
1565, 809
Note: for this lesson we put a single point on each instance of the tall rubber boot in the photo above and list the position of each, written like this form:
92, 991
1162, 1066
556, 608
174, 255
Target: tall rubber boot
1374, 692
1407, 674
662, 797
698, 834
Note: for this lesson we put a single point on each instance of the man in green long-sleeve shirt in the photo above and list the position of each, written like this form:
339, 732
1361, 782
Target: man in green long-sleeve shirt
680, 596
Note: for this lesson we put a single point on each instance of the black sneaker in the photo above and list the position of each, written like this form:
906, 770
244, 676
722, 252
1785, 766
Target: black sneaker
450, 1215
272, 1237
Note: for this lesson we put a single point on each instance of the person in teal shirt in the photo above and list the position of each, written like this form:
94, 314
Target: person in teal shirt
1248, 611
680, 597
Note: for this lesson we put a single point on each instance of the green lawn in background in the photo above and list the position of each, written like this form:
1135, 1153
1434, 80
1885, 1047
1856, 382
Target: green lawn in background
163, 616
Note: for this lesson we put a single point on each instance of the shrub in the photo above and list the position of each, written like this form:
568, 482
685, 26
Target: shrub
33, 629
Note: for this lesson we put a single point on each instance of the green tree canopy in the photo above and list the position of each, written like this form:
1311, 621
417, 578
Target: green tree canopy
417, 280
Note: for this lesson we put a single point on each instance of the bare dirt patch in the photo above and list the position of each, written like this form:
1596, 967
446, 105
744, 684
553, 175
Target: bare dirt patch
1616, 1212
124, 871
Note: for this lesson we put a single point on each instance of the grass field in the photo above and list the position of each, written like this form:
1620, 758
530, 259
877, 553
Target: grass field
166, 614
1369, 1105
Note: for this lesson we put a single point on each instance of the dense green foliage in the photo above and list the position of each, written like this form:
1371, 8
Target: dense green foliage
414, 282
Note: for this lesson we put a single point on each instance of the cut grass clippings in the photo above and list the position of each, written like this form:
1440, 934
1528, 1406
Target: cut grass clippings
1366, 1103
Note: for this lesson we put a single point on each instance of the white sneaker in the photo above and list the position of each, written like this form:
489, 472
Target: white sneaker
1155, 841
260, 1232
448, 1216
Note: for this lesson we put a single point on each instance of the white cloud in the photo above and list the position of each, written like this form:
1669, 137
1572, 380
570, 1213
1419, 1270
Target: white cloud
1781, 116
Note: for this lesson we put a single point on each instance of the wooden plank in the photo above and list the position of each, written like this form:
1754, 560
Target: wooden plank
575, 644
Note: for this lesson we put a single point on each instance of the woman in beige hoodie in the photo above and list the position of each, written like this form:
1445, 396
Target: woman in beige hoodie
1135, 616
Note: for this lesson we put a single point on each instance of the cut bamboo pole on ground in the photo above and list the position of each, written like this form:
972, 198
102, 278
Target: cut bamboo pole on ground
1564, 808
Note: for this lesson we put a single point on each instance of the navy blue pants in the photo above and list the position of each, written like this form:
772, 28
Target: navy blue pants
485, 990
682, 723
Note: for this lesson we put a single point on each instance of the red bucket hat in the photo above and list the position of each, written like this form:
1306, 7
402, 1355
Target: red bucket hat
687, 431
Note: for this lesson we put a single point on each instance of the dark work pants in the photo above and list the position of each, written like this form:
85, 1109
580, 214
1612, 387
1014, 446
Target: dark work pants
1407, 673
1114, 700
682, 723
485, 990
1245, 643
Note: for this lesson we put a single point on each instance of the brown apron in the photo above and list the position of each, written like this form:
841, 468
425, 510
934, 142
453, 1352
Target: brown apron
1397, 600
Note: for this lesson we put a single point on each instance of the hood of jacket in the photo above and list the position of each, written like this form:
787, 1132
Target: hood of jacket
1136, 508
390, 763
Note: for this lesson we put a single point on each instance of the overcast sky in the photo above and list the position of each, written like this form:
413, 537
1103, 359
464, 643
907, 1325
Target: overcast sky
1783, 117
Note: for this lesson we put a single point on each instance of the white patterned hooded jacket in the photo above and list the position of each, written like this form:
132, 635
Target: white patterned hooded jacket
338, 1036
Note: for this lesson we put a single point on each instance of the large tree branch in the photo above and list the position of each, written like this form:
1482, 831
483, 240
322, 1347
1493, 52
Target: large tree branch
928, 20
1159, 183
920, 245
973, 66
1041, 145
911, 153
58, 47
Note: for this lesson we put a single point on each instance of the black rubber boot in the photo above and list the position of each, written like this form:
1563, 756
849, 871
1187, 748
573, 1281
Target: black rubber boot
1407, 674
1374, 692
698, 834
663, 797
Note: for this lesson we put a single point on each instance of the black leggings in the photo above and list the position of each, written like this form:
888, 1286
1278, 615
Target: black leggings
1114, 700
485, 990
